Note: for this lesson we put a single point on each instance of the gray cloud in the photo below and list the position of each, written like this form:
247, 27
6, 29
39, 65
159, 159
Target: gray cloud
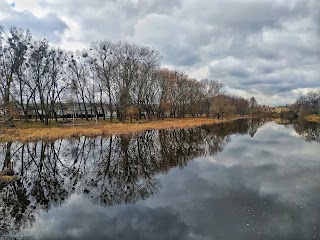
50, 26
273, 44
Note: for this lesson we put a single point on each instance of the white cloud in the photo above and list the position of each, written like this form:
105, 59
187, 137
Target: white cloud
303, 91
33, 6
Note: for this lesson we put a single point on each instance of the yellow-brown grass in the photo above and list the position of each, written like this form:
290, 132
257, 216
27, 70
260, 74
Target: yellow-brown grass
8, 178
90, 129
313, 118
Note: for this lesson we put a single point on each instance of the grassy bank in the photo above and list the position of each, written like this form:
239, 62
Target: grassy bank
313, 118
36, 131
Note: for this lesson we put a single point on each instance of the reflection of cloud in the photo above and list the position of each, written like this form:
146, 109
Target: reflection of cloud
264, 148
80, 219
275, 193
295, 134
265, 187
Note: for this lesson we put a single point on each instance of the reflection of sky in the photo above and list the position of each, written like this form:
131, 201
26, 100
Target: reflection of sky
265, 187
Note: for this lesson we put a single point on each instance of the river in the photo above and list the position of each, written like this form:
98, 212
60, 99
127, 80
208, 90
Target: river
247, 179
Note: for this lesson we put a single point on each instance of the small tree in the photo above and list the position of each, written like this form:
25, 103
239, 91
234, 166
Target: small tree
253, 104
211, 88
132, 110
222, 105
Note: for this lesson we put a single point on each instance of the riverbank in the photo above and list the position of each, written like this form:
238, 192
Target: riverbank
313, 118
34, 131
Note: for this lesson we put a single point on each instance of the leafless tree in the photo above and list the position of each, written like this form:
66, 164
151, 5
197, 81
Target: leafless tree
253, 104
13, 46
211, 88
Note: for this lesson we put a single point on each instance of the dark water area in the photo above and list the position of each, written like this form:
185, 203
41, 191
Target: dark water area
248, 179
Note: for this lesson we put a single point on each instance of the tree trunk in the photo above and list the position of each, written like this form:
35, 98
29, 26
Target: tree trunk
7, 158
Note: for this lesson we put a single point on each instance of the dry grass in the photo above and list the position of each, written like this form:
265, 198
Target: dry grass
8, 178
31, 132
313, 118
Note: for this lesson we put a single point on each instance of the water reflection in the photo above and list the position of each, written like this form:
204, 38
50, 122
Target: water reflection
115, 170
310, 131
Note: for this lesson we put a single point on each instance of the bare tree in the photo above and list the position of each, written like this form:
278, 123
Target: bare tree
211, 88
307, 104
78, 70
40, 67
104, 62
222, 106
253, 104
57, 82
13, 47
134, 79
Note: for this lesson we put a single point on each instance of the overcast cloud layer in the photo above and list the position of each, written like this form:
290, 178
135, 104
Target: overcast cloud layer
269, 49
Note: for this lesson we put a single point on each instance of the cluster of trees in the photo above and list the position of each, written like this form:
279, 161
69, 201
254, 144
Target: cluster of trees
122, 78
307, 104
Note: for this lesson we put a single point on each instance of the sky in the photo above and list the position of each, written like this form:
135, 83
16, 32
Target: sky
269, 49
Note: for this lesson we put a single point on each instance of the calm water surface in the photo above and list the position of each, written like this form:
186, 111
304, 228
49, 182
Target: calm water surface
241, 180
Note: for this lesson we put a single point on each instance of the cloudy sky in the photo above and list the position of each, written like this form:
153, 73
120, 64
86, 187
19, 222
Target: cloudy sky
269, 49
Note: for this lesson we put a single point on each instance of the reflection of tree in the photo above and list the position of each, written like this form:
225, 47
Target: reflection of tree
124, 171
254, 124
115, 170
179, 146
41, 185
310, 131
240, 126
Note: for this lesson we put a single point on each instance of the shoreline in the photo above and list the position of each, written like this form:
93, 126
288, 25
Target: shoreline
313, 118
104, 129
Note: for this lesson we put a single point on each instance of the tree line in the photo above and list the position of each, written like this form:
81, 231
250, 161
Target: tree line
308, 103
114, 79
